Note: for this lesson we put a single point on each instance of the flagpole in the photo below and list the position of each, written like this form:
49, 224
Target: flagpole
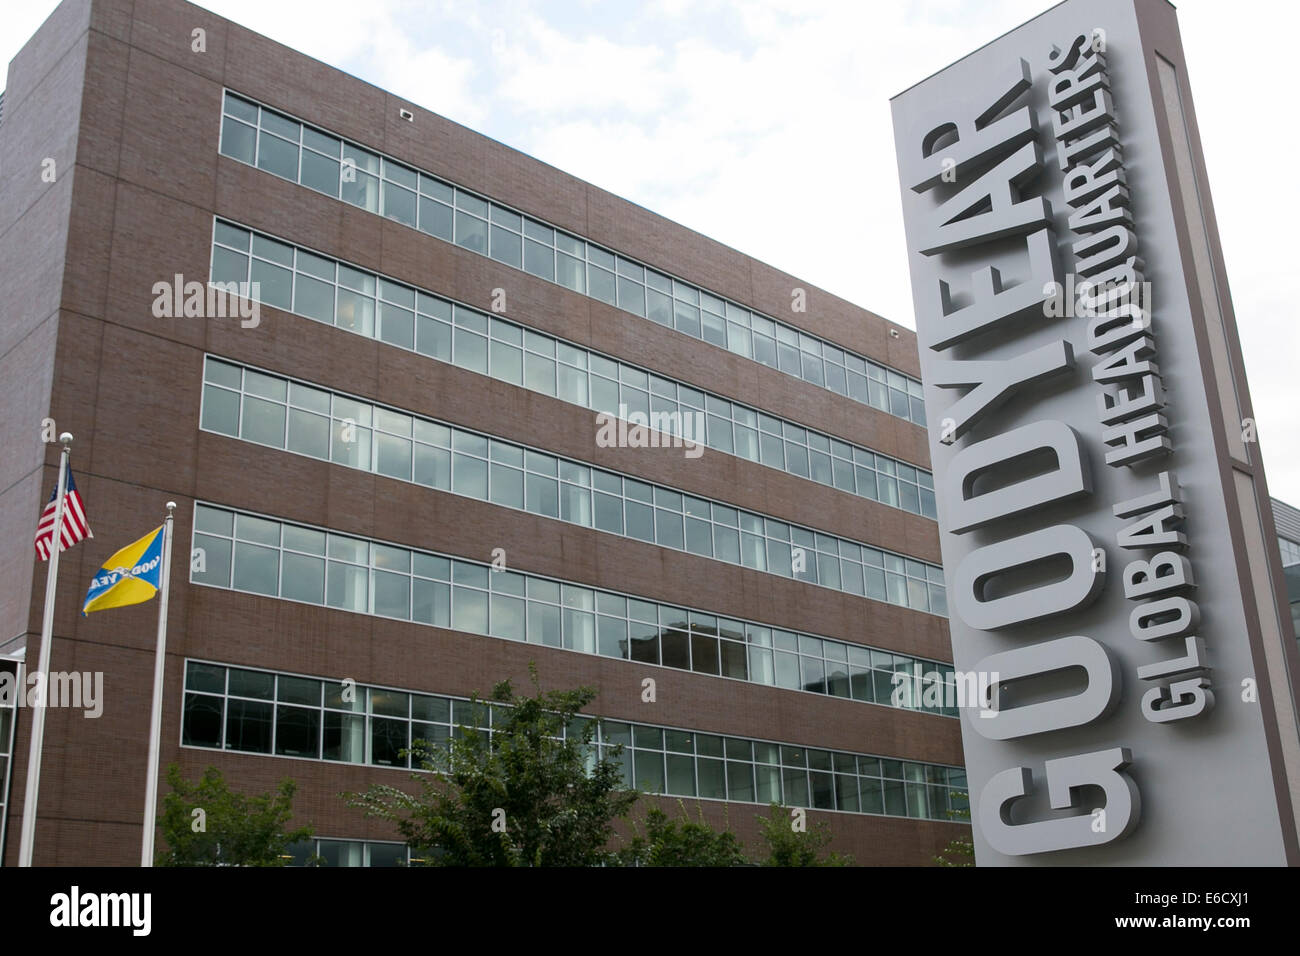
155, 720
43, 668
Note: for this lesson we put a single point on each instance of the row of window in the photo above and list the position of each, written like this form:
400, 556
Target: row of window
325, 852
324, 289
288, 148
259, 555
1290, 551
287, 414
256, 711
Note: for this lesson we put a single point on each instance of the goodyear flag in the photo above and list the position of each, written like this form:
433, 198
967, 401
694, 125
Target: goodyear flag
131, 576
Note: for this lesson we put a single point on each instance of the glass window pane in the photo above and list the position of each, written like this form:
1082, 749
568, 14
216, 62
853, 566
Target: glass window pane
431, 602
681, 775
611, 636
649, 769
393, 457
248, 726
245, 683
668, 529
469, 350
257, 569
434, 338
506, 363
274, 284
471, 233
507, 617
539, 259
220, 411
388, 738
469, 610
321, 142
398, 203
631, 296
392, 595
320, 173
303, 579
686, 318
601, 284
277, 156
469, 476
396, 325
236, 106
202, 722
357, 187
704, 654
356, 313
229, 266
202, 677
344, 737
507, 247
212, 564
432, 467
570, 272
435, 218
297, 732
544, 624
579, 630
238, 140
675, 647
347, 587
281, 125
543, 496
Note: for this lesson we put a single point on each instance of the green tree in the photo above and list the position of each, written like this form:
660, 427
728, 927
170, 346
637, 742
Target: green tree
962, 852
788, 846
681, 842
232, 829
527, 794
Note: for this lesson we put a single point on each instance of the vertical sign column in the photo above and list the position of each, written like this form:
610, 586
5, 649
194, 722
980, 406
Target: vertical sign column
1083, 511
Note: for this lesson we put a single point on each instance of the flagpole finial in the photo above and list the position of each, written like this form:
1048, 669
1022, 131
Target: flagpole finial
66, 438
171, 506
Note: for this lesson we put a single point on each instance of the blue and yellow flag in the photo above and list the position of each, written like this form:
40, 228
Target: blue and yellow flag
131, 576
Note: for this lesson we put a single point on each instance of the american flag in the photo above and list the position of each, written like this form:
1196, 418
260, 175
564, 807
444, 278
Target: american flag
75, 527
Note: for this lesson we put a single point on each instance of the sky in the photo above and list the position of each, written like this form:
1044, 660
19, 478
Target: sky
765, 124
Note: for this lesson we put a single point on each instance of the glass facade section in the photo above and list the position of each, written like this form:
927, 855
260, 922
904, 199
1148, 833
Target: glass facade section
369, 304
221, 700
322, 851
280, 144
245, 403
242, 552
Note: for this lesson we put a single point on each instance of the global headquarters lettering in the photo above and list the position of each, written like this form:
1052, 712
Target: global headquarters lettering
988, 207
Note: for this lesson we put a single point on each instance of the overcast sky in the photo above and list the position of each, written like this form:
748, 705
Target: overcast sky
765, 124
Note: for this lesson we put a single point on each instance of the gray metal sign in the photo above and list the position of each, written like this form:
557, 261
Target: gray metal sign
1105, 526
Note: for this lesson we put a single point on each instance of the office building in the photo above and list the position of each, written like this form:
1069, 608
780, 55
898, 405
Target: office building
393, 472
